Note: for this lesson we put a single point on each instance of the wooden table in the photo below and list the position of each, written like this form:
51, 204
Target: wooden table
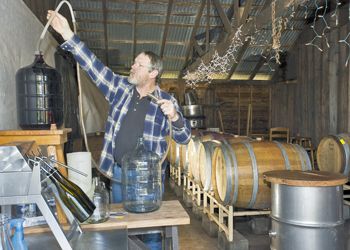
170, 215
53, 139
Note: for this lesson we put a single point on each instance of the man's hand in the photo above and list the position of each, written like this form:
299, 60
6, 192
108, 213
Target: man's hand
60, 24
168, 109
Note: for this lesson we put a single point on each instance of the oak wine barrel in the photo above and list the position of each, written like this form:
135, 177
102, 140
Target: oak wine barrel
238, 168
333, 154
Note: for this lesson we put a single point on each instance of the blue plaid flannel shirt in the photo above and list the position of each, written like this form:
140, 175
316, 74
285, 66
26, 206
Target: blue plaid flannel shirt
118, 92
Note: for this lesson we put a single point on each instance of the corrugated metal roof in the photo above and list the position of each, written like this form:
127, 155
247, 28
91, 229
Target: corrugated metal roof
137, 25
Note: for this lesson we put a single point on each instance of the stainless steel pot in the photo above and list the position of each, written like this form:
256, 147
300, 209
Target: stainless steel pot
193, 110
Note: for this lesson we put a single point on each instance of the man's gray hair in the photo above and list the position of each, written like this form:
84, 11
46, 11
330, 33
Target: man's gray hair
156, 63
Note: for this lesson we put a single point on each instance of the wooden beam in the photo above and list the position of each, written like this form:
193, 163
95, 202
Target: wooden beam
236, 13
86, 20
257, 67
198, 49
260, 62
104, 9
138, 41
225, 21
207, 37
238, 58
194, 30
165, 33
247, 9
260, 21
133, 32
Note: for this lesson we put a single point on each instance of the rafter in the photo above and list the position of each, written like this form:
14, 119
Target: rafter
165, 33
207, 34
263, 19
238, 58
194, 30
104, 9
247, 9
225, 21
257, 67
133, 32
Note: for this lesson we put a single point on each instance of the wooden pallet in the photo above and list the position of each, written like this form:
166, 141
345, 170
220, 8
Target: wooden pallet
175, 174
223, 215
193, 189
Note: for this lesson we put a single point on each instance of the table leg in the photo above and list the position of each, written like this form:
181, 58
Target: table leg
171, 238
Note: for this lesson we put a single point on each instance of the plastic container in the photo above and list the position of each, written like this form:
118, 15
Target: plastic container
39, 95
141, 180
18, 241
5, 242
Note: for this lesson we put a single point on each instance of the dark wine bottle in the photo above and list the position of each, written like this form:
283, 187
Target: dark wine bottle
72, 196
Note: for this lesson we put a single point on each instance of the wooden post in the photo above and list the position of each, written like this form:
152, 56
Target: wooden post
249, 117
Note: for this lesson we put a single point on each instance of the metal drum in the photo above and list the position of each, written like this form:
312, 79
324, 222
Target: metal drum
307, 210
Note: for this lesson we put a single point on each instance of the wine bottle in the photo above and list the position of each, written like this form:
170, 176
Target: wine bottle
71, 195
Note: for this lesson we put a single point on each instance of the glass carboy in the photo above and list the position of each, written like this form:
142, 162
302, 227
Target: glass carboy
101, 201
5, 243
141, 179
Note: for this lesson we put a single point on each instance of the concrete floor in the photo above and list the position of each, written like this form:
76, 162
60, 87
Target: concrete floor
194, 237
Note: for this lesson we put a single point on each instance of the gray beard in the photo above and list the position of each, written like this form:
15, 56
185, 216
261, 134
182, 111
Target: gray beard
132, 81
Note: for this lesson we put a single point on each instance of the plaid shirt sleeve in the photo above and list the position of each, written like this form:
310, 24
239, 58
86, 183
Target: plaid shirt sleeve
111, 85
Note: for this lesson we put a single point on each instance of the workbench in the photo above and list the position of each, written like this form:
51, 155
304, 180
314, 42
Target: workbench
165, 220
53, 139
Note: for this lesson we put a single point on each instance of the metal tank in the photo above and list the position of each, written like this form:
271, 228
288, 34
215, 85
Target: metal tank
307, 210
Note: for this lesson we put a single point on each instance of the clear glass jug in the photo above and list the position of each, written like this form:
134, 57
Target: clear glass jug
141, 179
101, 201
5, 243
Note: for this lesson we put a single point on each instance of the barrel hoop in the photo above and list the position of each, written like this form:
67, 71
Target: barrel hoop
255, 174
301, 156
284, 154
304, 155
347, 152
207, 150
235, 170
228, 174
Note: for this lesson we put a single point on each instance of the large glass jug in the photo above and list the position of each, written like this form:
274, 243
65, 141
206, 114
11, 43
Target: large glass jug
39, 95
141, 179
5, 243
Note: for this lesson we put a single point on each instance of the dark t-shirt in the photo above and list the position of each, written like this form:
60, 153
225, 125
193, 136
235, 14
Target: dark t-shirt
132, 126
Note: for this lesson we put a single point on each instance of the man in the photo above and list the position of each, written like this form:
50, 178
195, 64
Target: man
132, 114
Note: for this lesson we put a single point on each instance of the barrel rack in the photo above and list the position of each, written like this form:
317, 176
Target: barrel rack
346, 196
217, 212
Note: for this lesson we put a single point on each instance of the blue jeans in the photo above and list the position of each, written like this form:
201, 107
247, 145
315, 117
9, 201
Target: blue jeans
152, 241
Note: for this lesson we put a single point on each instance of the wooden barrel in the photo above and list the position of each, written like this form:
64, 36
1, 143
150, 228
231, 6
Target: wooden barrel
184, 158
192, 150
195, 163
193, 147
333, 154
205, 152
175, 158
238, 168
